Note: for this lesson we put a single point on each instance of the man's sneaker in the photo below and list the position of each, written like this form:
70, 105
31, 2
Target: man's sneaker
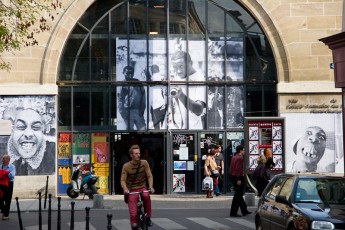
149, 222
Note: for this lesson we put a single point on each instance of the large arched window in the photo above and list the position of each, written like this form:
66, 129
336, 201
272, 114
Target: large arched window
127, 63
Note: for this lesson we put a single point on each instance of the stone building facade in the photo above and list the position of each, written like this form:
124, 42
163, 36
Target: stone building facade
305, 88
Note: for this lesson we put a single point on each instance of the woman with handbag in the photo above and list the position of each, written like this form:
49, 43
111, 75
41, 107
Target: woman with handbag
211, 169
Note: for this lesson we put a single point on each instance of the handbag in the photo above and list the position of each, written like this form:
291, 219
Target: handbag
126, 195
207, 183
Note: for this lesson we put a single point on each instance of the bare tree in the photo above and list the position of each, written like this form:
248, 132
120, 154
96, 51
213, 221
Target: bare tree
21, 21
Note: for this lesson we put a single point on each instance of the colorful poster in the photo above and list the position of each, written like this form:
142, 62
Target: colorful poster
64, 146
179, 183
81, 143
100, 147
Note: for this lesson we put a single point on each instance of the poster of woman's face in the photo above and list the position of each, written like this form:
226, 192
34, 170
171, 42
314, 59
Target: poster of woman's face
313, 143
33, 133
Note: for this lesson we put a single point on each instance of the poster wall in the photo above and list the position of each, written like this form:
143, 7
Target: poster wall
314, 142
265, 137
31, 143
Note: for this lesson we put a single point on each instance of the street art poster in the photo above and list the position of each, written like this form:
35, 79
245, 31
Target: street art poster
31, 144
100, 148
314, 142
179, 183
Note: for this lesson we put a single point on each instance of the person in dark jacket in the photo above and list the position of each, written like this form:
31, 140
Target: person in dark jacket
261, 175
237, 176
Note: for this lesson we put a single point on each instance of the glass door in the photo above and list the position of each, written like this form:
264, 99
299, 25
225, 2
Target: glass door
206, 140
184, 163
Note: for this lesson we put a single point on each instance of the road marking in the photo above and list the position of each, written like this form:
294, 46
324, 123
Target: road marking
243, 222
36, 227
208, 223
81, 225
121, 224
167, 224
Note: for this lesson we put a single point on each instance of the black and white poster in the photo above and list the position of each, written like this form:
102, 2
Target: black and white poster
225, 59
31, 144
131, 98
187, 102
234, 107
314, 142
179, 106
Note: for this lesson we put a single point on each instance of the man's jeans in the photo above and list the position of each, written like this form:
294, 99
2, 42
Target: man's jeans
133, 207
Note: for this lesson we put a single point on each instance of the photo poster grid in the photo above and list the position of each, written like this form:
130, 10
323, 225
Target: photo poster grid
229, 52
44, 105
296, 126
265, 134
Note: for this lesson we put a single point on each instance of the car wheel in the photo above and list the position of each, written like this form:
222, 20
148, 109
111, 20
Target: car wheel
258, 224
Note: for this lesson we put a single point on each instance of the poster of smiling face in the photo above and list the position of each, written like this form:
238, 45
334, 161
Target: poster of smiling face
314, 142
31, 143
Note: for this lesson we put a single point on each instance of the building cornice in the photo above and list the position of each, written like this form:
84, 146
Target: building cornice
307, 87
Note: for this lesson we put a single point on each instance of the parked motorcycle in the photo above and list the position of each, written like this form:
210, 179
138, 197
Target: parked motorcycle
82, 183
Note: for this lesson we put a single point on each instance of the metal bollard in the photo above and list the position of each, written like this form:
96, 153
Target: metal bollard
72, 215
87, 218
98, 201
19, 215
109, 216
39, 212
59, 214
50, 212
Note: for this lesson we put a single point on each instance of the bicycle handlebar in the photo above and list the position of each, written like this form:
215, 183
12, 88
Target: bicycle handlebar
132, 193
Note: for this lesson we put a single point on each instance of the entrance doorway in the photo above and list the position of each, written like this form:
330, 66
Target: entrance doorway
152, 148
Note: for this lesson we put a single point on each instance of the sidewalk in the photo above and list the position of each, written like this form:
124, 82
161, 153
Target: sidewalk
116, 202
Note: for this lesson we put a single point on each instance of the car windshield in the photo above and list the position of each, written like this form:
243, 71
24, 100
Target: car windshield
321, 190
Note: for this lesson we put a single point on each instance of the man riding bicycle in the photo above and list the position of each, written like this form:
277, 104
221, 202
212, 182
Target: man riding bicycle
133, 179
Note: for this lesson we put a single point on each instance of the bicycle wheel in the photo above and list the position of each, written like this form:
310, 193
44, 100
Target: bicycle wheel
142, 221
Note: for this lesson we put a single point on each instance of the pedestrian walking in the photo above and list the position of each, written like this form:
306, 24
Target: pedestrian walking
237, 176
261, 175
5, 202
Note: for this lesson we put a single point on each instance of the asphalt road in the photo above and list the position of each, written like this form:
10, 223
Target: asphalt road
170, 218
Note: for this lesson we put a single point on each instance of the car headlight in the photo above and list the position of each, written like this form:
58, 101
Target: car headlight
322, 225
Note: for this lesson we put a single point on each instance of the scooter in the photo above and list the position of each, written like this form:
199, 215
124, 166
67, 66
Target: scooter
82, 183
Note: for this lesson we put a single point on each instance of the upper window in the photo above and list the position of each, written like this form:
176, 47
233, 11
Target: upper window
178, 63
